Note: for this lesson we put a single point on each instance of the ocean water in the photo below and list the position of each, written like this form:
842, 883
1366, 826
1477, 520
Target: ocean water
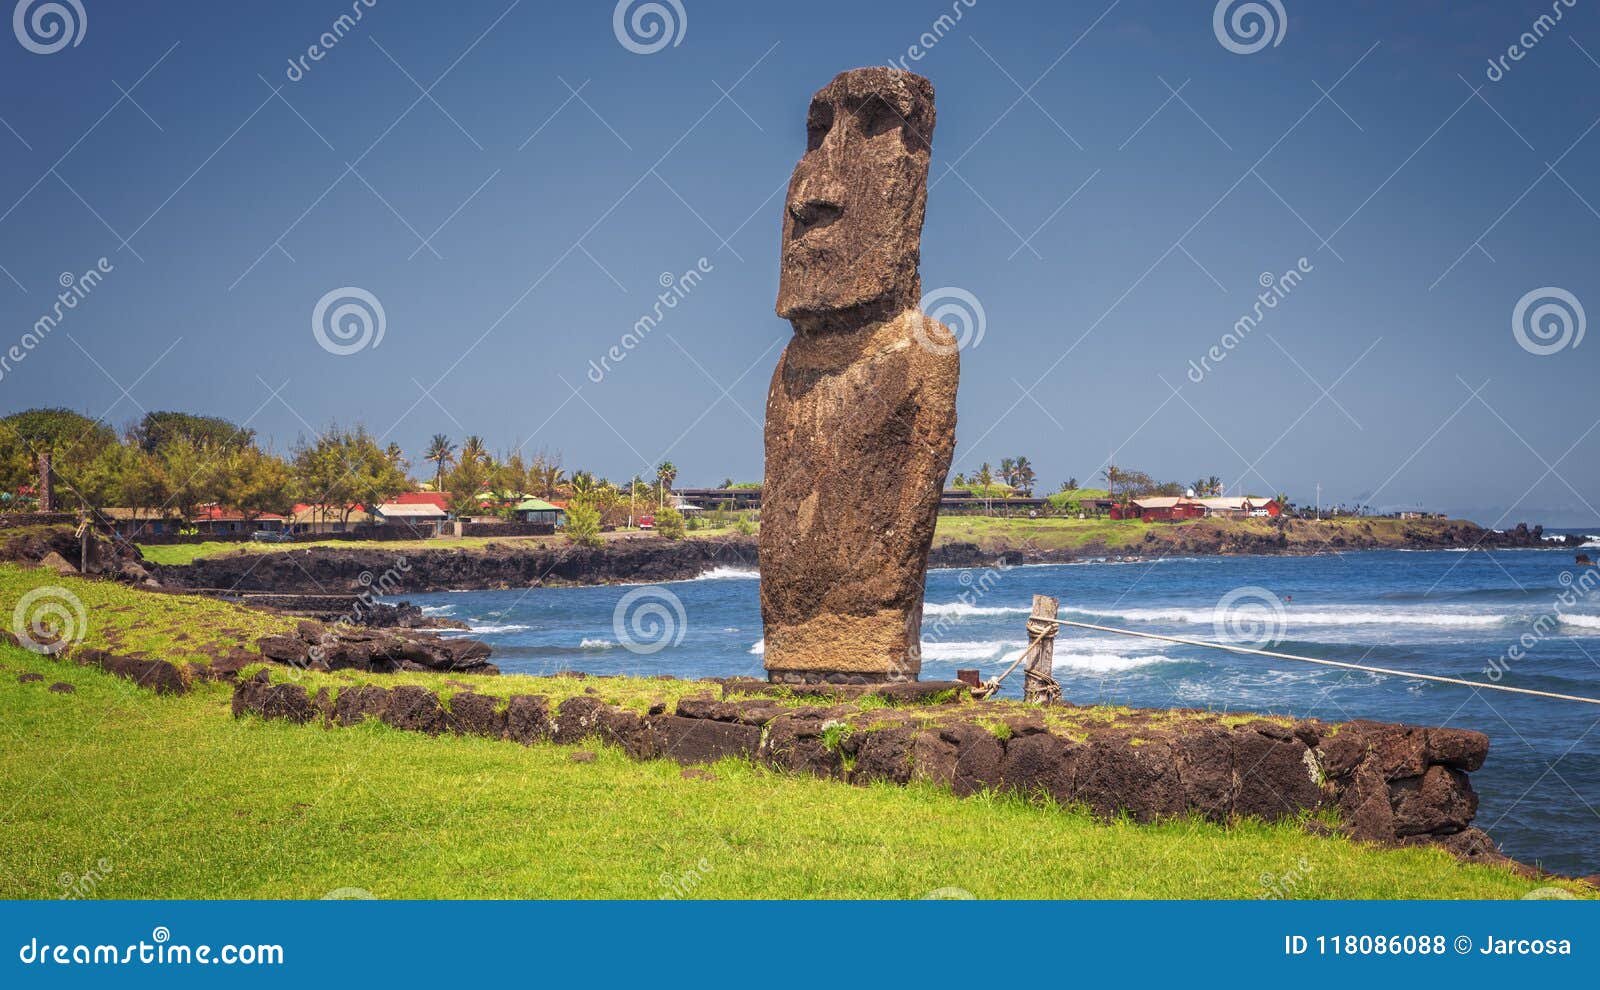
1451, 613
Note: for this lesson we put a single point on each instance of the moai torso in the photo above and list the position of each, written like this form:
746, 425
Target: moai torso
861, 413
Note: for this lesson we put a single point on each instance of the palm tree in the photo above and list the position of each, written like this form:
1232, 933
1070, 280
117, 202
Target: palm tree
1008, 471
666, 474
549, 477
441, 452
473, 450
985, 478
1112, 474
1024, 476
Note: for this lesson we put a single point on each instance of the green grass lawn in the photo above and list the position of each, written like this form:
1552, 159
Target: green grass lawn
169, 796
1046, 534
131, 622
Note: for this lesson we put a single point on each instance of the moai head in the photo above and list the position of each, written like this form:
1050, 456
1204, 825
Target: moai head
852, 225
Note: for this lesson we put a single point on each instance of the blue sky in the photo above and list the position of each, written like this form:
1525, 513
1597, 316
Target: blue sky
1109, 182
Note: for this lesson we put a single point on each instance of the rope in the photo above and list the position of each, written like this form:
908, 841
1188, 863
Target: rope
1039, 630
1326, 663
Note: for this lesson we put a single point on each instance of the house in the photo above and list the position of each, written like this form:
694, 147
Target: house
319, 519
217, 520
727, 498
537, 510
1161, 508
440, 500
134, 523
424, 516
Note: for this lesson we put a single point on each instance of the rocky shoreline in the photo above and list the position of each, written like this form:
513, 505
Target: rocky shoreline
331, 571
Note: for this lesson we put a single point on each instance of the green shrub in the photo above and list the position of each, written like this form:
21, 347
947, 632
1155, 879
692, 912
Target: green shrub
583, 523
669, 523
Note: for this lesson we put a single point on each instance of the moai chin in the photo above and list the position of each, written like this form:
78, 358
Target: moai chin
861, 413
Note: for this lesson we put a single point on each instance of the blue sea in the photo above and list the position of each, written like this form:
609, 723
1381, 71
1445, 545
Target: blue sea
1452, 613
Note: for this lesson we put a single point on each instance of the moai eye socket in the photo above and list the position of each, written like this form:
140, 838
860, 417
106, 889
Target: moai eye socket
876, 116
818, 123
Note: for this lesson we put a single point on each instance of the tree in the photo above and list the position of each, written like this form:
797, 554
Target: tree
985, 479
669, 523
441, 452
258, 482
1113, 477
1070, 485
726, 484
343, 468
666, 474
157, 429
196, 474
71, 441
465, 483
1008, 471
1023, 477
473, 449
583, 522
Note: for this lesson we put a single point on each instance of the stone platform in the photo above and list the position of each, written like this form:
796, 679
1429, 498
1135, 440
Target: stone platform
1388, 783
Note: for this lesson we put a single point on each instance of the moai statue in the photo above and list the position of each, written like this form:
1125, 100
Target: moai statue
861, 414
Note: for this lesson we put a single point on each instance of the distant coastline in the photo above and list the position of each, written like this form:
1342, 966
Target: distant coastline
961, 542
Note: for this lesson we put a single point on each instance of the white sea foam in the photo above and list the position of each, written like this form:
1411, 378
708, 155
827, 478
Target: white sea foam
495, 627
963, 609
595, 644
438, 610
1107, 663
758, 647
729, 573
1294, 616
1581, 620
955, 652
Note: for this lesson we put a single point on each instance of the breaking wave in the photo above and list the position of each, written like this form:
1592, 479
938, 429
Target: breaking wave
729, 573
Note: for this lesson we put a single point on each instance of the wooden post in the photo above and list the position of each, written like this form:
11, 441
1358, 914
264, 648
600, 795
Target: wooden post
1039, 684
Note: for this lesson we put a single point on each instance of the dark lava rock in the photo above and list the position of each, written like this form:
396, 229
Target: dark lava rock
1043, 764
795, 742
415, 709
62, 687
357, 703
476, 715
693, 740
528, 718
1441, 801
578, 718
29, 678
1275, 778
1117, 776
